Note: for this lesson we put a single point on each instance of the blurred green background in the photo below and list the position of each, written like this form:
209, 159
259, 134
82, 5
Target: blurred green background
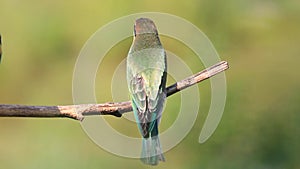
260, 127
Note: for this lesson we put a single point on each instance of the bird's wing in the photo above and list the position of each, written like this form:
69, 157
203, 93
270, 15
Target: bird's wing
147, 99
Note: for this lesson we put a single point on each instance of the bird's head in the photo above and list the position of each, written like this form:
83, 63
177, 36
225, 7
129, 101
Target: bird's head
144, 26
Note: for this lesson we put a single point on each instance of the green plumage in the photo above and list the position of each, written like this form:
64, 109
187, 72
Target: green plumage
146, 78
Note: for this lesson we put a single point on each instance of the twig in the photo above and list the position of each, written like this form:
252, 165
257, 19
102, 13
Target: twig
78, 112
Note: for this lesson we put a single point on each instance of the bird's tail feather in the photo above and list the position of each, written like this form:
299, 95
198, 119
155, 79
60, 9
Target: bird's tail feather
151, 151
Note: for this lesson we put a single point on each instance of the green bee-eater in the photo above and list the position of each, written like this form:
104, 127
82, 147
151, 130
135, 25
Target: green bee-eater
146, 78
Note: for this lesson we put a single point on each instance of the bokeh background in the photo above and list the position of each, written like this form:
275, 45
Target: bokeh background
260, 127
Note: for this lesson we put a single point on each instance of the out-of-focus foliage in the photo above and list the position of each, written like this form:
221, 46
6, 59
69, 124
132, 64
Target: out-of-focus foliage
260, 40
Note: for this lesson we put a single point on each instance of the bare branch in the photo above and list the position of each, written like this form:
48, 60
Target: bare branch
198, 77
78, 112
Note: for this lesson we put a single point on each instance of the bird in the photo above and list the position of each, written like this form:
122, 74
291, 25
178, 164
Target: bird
146, 80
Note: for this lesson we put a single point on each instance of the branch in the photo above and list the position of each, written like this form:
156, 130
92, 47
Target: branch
78, 112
